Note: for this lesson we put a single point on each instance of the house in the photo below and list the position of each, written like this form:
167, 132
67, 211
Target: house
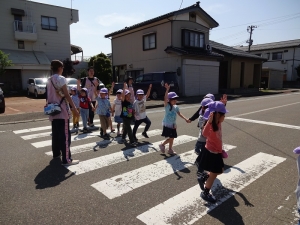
283, 55
239, 70
177, 41
33, 34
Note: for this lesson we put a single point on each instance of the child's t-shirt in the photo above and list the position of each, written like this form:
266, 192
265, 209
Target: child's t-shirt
84, 102
118, 107
75, 99
127, 110
140, 109
213, 138
103, 106
170, 116
201, 121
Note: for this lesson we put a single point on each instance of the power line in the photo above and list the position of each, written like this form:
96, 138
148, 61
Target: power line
217, 29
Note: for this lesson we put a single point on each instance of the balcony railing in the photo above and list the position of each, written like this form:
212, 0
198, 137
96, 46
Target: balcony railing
24, 31
80, 58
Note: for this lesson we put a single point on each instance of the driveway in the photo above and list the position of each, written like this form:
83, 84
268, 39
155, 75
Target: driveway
17, 105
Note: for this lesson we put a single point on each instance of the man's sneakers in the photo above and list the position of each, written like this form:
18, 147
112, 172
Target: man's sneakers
133, 144
85, 130
91, 125
145, 134
73, 162
208, 197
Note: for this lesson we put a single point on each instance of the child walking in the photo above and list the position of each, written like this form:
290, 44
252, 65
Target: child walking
117, 110
103, 110
127, 115
75, 98
140, 115
85, 103
210, 158
169, 121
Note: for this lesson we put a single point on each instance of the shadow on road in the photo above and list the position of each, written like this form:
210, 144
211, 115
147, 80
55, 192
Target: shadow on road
52, 175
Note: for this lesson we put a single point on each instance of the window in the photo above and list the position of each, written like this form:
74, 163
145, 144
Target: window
276, 55
49, 23
139, 79
149, 41
21, 45
147, 77
193, 39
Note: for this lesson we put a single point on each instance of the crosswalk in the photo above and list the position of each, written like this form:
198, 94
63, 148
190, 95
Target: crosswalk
184, 208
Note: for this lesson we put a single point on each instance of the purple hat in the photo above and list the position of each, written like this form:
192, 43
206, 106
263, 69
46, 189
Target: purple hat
103, 91
205, 101
297, 150
120, 91
172, 95
127, 92
84, 89
211, 96
73, 89
139, 92
216, 106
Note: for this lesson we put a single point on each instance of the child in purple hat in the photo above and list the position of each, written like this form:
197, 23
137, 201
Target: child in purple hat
169, 121
210, 158
297, 151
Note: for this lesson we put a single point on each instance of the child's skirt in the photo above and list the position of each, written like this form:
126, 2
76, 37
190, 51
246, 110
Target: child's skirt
210, 161
118, 119
169, 132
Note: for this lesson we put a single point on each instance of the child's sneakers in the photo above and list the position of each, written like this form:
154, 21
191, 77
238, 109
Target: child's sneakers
224, 154
106, 137
172, 152
162, 148
85, 130
208, 197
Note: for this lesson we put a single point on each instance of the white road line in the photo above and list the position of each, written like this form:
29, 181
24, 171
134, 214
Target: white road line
266, 109
188, 207
44, 128
121, 156
126, 182
47, 134
91, 146
264, 122
78, 137
13, 109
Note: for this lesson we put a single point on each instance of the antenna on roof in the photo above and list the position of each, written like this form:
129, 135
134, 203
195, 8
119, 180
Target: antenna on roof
71, 10
198, 3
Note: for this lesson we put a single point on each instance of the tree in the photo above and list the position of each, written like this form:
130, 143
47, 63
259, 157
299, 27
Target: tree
102, 67
4, 62
68, 68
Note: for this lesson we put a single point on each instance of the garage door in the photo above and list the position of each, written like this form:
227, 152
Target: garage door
200, 80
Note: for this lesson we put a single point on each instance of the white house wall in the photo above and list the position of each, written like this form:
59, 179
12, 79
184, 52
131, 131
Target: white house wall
287, 65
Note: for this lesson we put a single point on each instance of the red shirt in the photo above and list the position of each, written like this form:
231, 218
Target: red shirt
84, 102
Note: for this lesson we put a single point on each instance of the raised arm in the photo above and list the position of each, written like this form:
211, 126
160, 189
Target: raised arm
123, 93
166, 94
78, 84
111, 88
149, 91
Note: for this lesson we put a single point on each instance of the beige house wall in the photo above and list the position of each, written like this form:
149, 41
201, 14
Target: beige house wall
56, 44
128, 50
248, 72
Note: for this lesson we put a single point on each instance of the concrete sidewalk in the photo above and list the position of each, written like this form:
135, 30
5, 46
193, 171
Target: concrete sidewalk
26, 109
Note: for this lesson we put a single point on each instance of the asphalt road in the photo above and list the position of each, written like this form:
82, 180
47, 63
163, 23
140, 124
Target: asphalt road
119, 185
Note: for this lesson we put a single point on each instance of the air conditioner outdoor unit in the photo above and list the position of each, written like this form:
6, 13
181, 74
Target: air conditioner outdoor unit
283, 61
208, 48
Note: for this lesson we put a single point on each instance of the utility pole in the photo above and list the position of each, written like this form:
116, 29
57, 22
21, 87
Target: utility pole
250, 41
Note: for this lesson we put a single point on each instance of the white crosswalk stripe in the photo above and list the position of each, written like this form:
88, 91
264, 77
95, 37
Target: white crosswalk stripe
117, 157
187, 207
126, 182
91, 146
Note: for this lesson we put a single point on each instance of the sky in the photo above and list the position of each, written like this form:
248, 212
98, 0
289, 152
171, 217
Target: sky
276, 20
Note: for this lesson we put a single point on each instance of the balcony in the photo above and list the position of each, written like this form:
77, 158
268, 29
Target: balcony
24, 31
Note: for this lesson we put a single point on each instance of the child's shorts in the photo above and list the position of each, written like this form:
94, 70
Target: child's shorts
104, 122
118, 119
169, 132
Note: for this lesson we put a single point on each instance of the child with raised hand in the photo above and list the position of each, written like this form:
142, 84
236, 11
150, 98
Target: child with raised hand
127, 115
140, 115
102, 109
210, 158
169, 121
117, 110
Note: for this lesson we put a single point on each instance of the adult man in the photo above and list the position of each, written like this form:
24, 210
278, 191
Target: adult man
91, 83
